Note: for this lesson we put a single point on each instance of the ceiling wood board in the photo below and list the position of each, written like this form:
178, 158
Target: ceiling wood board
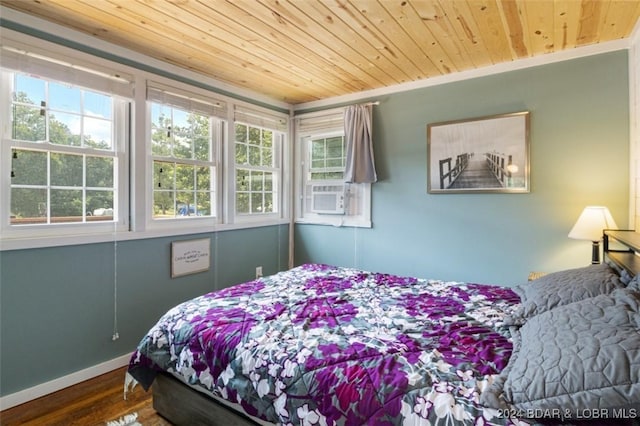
299, 51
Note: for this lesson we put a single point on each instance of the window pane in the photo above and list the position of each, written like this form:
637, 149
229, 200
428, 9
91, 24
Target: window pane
160, 124
335, 162
185, 177
327, 175
203, 178
241, 153
267, 157
254, 136
254, 155
28, 124
97, 133
163, 205
186, 205
318, 164
28, 205
100, 205
163, 175
204, 204
256, 203
202, 137
267, 138
29, 167
242, 180
268, 202
64, 98
98, 105
66, 205
64, 129
242, 202
241, 133
66, 170
181, 130
100, 172
268, 181
317, 150
29, 90
256, 181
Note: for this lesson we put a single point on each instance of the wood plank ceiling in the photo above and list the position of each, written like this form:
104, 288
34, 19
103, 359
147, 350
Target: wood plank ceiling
299, 51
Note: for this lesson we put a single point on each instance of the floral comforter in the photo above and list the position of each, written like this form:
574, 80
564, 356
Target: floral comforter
334, 346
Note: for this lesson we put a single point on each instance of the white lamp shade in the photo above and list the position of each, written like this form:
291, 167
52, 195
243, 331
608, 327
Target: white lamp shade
591, 222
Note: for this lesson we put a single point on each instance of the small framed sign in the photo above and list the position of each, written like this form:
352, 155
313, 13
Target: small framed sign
190, 257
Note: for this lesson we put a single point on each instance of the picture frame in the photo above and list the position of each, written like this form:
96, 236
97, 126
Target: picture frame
479, 155
190, 256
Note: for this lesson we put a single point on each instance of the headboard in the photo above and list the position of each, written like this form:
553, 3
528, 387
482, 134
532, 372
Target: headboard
626, 257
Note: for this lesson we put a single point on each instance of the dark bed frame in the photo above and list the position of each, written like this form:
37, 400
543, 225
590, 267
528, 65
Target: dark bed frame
182, 405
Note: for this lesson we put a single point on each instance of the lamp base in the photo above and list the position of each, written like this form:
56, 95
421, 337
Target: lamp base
595, 253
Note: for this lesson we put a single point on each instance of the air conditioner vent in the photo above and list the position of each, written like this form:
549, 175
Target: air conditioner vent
327, 199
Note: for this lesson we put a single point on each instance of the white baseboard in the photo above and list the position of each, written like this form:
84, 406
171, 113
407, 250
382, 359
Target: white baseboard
43, 389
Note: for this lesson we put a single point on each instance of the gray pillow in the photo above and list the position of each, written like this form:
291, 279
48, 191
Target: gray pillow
561, 288
634, 283
574, 360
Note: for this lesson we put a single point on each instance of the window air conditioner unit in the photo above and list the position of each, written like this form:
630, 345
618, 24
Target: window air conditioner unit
327, 199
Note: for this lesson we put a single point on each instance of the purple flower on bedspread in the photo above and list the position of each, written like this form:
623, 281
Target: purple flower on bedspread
393, 280
316, 267
323, 312
238, 290
495, 293
219, 329
328, 284
358, 383
460, 293
432, 306
484, 350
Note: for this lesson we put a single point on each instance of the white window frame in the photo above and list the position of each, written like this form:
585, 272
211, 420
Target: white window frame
135, 179
278, 124
319, 125
200, 101
49, 66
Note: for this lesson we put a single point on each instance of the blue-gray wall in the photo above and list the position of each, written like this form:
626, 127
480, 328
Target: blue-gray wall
57, 304
579, 156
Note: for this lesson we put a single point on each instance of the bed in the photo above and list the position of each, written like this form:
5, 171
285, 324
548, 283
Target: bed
327, 345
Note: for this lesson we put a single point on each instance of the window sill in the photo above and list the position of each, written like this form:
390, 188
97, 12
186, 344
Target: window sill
337, 221
18, 243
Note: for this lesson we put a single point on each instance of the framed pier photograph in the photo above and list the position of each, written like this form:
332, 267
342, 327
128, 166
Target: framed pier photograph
485, 154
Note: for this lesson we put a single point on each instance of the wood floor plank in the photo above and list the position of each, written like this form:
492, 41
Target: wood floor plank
93, 402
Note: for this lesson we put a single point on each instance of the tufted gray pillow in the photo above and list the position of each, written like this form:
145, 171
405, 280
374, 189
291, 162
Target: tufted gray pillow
575, 359
561, 288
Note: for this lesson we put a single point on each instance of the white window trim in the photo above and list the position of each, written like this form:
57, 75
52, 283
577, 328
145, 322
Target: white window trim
328, 125
11, 232
135, 214
218, 134
277, 123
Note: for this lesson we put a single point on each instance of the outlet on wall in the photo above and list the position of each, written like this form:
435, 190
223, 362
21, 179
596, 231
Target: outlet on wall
258, 271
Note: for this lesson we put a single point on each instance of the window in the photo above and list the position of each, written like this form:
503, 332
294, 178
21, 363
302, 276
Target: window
324, 197
258, 147
328, 158
66, 152
71, 173
255, 171
184, 137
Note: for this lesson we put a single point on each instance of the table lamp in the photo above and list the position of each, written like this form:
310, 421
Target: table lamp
589, 226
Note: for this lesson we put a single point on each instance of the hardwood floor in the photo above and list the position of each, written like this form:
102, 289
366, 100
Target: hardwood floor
89, 403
